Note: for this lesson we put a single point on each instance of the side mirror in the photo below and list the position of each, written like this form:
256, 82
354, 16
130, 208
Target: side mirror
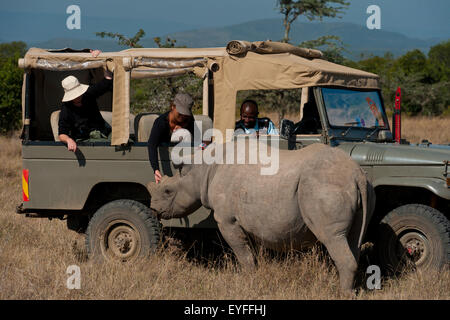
385, 135
286, 128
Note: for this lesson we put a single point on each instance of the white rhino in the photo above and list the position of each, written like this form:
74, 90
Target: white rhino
319, 193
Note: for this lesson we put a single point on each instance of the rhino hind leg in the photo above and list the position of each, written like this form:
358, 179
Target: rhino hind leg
330, 217
344, 259
238, 241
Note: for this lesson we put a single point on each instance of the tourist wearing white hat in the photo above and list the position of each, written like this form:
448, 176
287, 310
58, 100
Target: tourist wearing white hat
80, 118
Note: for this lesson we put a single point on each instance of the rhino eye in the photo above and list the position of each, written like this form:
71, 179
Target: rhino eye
167, 191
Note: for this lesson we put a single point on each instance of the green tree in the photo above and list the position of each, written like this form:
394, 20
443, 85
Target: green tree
311, 9
124, 40
423, 81
439, 62
413, 62
331, 46
11, 77
11, 49
170, 43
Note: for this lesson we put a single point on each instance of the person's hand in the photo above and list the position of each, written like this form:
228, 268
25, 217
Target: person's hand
158, 176
108, 74
71, 145
95, 53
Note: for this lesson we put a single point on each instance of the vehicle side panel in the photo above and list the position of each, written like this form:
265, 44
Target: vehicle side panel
62, 180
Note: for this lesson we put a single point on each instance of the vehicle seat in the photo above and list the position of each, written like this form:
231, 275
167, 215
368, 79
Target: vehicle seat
205, 120
144, 124
107, 116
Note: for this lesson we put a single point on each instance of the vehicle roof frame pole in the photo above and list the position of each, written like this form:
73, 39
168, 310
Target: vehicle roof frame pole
205, 98
304, 100
397, 116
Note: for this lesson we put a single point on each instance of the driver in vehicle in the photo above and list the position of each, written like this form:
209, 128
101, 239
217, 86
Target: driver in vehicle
80, 118
251, 124
310, 123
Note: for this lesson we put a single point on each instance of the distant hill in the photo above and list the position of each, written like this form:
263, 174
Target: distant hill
59, 43
358, 39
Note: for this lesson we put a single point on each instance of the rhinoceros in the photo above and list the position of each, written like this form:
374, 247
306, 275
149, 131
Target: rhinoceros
319, 193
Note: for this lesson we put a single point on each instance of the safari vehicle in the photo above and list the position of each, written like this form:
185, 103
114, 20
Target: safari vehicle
101, 188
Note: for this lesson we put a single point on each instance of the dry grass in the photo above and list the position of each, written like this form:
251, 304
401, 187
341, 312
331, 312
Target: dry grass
35, 254
435, 130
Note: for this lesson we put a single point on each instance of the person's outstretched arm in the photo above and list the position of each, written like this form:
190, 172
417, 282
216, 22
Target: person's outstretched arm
64, 128
153, 142
100, 88
71, 144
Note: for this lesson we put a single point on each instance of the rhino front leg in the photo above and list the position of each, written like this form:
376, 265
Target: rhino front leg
238, 241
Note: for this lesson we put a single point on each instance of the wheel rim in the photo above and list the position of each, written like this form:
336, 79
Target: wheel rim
414, 246
121, 241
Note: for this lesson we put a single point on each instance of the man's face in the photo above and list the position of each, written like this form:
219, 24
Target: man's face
249, 115
77, 101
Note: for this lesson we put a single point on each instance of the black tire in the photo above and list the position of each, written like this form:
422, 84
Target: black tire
413, 235
122, 230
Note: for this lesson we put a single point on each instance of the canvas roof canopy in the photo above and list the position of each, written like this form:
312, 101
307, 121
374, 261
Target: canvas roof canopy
240, 66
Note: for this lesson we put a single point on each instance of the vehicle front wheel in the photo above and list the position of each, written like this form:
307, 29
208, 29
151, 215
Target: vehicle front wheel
122, 230
413, 235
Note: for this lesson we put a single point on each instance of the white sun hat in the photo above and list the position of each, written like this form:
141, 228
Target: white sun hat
72, 88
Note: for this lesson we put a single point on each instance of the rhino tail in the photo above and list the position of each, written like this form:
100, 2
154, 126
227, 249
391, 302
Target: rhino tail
363, 191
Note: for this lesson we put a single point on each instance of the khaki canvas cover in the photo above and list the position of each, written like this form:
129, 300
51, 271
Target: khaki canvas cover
237, 47
255, 71
240, 66
138, 63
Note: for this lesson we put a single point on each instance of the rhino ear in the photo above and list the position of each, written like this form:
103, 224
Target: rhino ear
151, 186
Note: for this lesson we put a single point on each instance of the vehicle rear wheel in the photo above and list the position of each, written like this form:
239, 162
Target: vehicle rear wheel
122, 230
413, 235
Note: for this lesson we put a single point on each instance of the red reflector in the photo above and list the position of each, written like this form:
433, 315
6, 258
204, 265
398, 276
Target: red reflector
25, 191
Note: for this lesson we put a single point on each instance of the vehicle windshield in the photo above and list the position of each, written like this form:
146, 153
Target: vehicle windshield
353, 108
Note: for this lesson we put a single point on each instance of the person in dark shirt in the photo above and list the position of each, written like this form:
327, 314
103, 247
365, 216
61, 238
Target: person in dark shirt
310, 123
179, 116
80, 116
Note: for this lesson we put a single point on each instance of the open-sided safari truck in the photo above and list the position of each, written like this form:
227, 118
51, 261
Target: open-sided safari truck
101, 189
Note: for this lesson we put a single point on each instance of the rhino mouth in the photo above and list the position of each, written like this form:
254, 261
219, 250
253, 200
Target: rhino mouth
157, 214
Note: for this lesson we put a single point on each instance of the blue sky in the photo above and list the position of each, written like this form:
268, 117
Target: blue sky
415, 18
